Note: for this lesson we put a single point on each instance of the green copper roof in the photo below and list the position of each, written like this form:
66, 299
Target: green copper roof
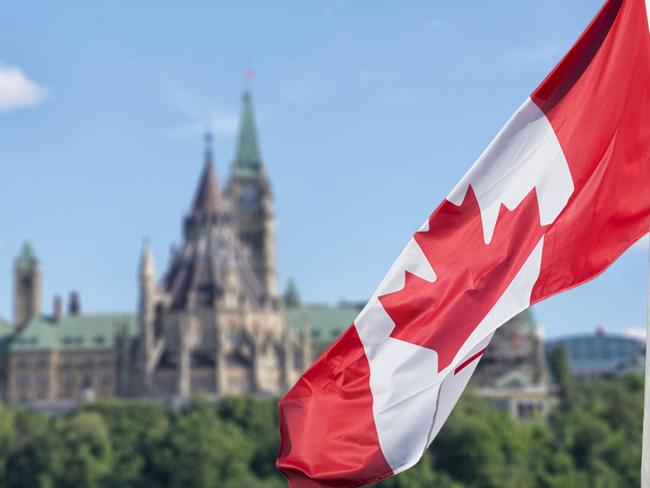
325, 322
248, 161
73, 332
26, 258
5, 328
525, 320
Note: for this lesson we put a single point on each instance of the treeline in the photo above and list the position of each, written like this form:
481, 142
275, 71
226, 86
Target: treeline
592, 439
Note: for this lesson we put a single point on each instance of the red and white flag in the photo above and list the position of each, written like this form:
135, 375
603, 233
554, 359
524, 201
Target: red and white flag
558, 195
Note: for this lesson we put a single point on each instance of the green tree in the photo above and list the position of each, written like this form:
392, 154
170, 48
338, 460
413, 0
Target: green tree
561, 374
7, 440
36, 458
87, 453
420, 476
201, 450
258, 419
595, 440
136, 429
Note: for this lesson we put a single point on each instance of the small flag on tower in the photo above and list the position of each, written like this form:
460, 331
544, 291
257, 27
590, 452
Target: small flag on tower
556, 197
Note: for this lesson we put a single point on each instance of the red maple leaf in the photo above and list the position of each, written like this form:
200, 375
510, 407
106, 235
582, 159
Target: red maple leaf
471, 275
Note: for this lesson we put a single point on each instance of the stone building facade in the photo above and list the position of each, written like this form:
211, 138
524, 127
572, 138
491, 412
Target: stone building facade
512, 374
212, 323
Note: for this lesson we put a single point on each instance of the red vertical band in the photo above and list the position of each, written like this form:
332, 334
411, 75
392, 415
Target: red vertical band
328, 430
597, 101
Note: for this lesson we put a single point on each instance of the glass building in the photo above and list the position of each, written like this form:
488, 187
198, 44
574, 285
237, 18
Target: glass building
601, 355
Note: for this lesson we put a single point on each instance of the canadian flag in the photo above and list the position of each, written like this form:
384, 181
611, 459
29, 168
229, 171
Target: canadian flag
558, 195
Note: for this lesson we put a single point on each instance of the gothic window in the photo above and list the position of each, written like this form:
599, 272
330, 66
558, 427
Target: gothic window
106, 361
23, 380
157, 324
23, 361
200, 359
67, 362
42, 361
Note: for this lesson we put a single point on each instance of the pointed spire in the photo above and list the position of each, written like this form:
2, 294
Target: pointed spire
207, 138
27, 258
248, 160
208, 198
146, 259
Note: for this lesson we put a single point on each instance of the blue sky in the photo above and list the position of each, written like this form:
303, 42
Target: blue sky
368, 113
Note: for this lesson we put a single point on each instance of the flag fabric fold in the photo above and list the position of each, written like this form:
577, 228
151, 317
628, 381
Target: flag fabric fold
557, 196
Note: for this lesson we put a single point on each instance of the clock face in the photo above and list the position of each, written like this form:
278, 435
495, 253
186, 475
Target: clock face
249, 197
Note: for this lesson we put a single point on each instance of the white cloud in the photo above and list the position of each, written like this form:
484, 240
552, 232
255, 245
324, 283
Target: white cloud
636, 332
642, 244
17, 90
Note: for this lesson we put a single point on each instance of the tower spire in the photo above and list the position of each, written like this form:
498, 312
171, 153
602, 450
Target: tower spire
27, 286
208, 198
207, 138
248, 161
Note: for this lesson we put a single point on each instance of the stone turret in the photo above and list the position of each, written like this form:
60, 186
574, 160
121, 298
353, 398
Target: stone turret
27, 286
74, 303
146, 308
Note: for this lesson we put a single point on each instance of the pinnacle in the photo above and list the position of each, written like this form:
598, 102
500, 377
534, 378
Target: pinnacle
248, 160
208, 199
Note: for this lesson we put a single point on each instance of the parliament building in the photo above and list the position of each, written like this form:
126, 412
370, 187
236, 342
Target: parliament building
213, 322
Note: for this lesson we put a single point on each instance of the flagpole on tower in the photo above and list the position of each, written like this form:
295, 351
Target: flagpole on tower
645, 447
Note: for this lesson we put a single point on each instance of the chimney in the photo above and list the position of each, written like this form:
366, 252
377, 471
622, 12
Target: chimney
74, 303
58, 308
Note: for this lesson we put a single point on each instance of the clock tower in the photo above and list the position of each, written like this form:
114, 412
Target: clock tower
249, 191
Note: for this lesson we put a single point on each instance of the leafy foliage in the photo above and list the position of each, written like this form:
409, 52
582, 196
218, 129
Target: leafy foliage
594, 439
